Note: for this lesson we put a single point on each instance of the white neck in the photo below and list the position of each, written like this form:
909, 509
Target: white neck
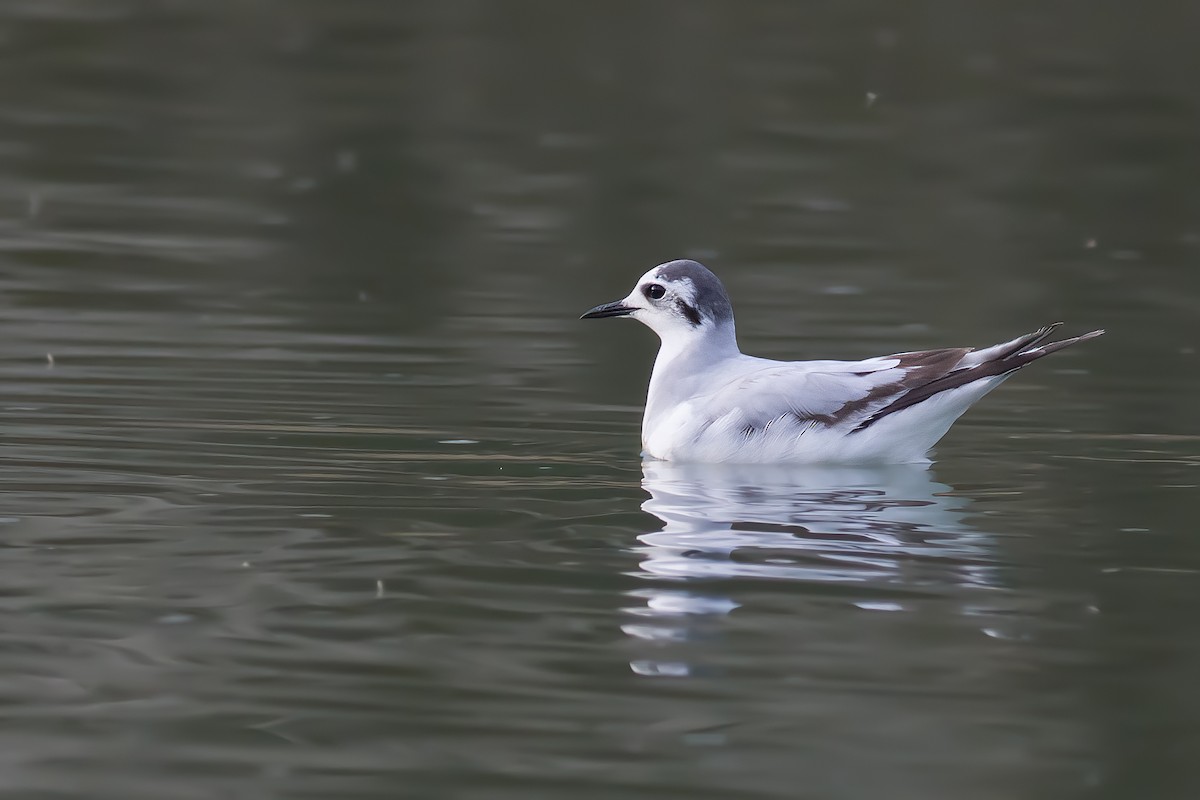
717, 341
684, 357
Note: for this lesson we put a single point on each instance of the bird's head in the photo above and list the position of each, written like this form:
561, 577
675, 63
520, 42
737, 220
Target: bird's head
677, 300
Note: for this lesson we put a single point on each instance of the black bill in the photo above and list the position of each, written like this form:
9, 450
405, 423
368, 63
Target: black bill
616, 309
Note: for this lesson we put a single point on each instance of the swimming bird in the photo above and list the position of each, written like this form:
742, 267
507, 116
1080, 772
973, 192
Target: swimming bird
709, 402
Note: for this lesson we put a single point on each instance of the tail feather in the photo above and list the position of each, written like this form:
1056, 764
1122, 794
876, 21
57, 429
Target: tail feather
1034, 353
991, 362
1006, 349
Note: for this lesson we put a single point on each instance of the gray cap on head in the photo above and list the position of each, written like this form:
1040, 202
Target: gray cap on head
710, 298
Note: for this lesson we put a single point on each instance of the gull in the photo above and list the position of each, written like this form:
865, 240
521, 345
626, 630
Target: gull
709, 402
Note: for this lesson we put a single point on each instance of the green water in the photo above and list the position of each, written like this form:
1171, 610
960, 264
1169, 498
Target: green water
314, 486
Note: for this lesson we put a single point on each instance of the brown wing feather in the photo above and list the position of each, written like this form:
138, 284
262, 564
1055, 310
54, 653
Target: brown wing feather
920, 367
926, 382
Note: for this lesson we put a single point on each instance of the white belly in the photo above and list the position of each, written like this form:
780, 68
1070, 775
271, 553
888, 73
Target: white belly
684, 433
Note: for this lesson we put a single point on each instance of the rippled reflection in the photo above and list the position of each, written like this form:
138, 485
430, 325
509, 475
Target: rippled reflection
878, 535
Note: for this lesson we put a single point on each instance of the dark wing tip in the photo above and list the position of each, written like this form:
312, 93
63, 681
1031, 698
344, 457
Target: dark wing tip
1083, 337
1033, 353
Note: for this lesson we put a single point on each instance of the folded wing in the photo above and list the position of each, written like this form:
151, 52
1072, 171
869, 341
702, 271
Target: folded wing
856, 394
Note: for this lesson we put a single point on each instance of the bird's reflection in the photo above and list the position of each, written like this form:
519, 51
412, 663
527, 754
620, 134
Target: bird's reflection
877, 535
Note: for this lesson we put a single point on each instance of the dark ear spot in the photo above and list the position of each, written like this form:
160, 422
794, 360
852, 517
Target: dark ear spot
693, 316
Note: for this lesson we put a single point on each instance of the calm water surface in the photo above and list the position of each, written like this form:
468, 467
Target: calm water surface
314, 487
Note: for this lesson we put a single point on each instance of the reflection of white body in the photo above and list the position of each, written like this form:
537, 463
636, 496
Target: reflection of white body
829, 523
884, 536
709, 402
852, 615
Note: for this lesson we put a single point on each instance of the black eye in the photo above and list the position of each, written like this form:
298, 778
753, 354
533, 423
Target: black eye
655, 291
